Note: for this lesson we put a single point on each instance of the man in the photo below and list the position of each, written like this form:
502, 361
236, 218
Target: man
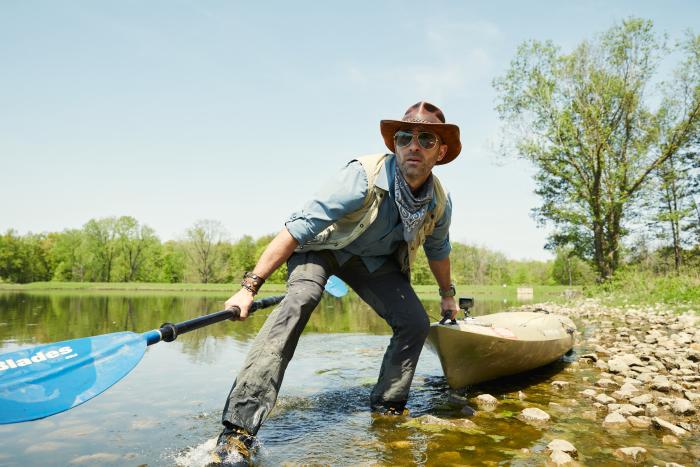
364, 227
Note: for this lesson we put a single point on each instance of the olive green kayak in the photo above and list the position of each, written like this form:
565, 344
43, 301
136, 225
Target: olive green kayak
487, 347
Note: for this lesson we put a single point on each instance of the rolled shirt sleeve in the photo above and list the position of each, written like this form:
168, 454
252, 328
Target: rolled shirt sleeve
343, 194
437, 245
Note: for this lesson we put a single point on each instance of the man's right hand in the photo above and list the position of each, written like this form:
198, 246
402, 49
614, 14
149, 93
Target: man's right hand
243, 299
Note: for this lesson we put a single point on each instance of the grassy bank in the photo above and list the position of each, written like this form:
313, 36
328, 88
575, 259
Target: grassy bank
486, 292
631, 287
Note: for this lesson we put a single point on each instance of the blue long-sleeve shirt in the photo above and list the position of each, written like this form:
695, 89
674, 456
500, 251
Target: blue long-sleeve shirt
345, 193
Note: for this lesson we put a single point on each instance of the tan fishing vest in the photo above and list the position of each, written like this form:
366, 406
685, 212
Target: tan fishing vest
346, 229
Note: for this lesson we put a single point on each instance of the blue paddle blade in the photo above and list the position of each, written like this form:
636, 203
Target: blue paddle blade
336, 287
52, 378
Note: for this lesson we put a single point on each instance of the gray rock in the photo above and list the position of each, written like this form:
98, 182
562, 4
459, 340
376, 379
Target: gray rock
615, 420
651, 409
601, 365
634, 454
639, 422
604, 399
562, 445
682, 407
560, 458
589, 356
590, 393
616, 365
643, 399
606, 383
486, 400
626, 409
661, 383
630, 359
662, 424
626, 394
534, 415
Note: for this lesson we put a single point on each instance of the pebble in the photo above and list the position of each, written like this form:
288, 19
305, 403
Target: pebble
559, 384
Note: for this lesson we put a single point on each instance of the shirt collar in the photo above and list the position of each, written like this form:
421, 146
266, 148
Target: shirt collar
382, 180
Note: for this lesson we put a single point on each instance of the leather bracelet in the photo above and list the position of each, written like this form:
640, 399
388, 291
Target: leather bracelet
252, 282
451, 292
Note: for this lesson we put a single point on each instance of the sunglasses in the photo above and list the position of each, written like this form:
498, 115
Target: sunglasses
426, 140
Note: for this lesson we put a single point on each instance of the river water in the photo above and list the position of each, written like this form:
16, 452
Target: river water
167, 410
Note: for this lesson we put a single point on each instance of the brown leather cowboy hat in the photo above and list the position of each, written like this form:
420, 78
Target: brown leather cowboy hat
428, 116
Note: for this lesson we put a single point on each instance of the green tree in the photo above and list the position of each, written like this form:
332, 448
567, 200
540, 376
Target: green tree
24, 259
173, 262
569, 269
69, 255
582, 119
100, 236
206, 250
243, 257
138, 247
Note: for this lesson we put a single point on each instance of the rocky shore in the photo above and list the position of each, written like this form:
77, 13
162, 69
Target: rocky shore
649, 375
631, 395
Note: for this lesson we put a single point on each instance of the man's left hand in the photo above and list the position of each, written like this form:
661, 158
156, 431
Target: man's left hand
449, 307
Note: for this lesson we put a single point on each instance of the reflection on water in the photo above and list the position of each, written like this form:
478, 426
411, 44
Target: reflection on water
171, 403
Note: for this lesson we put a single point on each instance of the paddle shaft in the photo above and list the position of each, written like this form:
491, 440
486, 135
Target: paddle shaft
169, 331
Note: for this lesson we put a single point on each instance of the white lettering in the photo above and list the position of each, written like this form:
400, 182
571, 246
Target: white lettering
39, 357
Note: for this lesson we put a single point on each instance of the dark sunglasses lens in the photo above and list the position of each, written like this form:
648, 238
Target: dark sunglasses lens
427, 140
403, 138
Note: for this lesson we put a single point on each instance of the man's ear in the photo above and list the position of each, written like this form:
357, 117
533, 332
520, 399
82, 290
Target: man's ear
442, 151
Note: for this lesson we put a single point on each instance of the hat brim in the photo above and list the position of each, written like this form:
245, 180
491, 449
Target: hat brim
448, 133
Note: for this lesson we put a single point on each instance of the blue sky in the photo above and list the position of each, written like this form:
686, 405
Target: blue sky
175, 111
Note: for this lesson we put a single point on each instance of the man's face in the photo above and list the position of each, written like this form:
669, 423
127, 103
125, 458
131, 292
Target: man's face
415, 161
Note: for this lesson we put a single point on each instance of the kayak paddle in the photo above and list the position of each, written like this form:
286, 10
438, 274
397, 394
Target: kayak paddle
47, 379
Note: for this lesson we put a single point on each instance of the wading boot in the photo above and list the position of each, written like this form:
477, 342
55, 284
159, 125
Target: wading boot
389, 415
234, 448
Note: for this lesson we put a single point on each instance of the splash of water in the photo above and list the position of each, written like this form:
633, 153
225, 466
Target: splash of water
197, 456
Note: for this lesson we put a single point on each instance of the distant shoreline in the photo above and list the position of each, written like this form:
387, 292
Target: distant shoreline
542, 292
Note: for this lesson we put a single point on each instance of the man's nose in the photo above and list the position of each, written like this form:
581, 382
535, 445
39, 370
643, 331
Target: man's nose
413, 145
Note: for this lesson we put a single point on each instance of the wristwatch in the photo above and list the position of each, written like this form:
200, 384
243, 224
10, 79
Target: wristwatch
451, 292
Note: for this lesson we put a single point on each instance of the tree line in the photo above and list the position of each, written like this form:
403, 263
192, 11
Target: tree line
121, 249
